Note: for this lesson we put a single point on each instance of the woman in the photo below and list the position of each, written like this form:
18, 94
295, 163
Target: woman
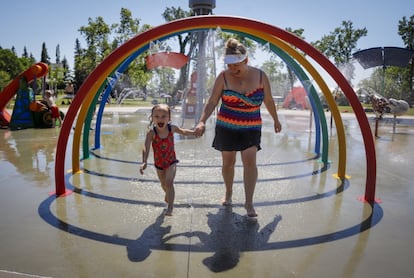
242, 89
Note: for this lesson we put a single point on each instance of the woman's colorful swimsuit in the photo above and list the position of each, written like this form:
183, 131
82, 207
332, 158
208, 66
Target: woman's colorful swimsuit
241, 111
163, 148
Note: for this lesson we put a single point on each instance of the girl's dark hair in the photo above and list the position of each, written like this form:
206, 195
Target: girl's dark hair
160, 105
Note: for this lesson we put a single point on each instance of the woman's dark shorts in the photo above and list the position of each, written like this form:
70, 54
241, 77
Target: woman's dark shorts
234, 140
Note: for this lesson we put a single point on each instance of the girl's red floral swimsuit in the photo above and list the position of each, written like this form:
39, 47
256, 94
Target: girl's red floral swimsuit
163, 148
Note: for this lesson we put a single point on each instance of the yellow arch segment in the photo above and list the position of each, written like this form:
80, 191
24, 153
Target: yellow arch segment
329, 98
82, 117
87, 101
78, 128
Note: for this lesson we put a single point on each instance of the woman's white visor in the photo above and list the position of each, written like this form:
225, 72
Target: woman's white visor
234, 58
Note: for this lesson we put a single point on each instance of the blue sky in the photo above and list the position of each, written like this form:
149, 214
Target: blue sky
30, 23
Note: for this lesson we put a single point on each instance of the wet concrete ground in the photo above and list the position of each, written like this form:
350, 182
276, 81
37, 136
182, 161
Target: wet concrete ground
310, 224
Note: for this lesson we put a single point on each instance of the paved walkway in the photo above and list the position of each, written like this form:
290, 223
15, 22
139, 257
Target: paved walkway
310, 224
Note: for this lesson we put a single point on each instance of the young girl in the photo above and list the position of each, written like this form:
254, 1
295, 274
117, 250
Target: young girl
161, 137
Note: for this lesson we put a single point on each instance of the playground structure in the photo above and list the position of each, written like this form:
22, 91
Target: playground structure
27, 112
296, 99
382, 105
281, 42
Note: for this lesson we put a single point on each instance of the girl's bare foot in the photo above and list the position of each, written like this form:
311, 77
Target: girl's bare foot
226, 202
168, 212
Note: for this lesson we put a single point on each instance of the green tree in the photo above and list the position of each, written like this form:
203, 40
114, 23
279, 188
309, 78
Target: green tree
184, 42
406, 31
291, 74
27, 60
136, 75
127, 28
10, 66
66, 70
339, 46
44, 56
279, 81
81, 70
25, 53
96, 35
57, 54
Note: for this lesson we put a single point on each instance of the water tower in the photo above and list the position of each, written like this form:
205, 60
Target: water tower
202, 7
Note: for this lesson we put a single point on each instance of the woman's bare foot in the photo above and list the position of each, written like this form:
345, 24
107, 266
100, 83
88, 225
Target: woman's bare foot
227, 201
250, 211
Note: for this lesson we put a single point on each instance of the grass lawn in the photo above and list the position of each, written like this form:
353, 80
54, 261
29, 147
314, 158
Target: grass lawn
348, 109
148, 103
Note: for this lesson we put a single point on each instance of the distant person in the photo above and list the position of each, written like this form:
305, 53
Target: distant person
161, 136
49, 98
241, 90
69, 91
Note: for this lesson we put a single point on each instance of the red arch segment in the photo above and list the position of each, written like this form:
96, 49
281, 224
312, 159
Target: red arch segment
212, 22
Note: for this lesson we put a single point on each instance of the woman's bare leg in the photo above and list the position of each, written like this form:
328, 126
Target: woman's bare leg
250, 178
227, 170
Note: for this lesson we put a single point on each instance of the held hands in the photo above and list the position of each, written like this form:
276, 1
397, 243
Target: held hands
199, 129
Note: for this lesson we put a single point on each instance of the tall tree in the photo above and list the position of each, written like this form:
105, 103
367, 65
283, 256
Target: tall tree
80, 68
136, 75
340, 44
406, 31
170, 14
96, 35
25, 53
44, 58
57, 54
126, 28
279, 81
65, 67
291, 74
10, 66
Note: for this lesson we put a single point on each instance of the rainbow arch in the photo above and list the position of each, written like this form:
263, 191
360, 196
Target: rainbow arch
83, 104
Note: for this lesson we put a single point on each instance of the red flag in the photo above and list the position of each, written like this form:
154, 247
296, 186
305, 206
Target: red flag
166, 59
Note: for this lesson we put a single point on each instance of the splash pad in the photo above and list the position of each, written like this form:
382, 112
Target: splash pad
280, 40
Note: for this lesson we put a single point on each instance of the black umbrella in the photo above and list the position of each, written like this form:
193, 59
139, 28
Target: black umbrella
384, 56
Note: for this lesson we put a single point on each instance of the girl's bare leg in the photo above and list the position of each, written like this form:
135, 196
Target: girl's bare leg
169, 187
161, 177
